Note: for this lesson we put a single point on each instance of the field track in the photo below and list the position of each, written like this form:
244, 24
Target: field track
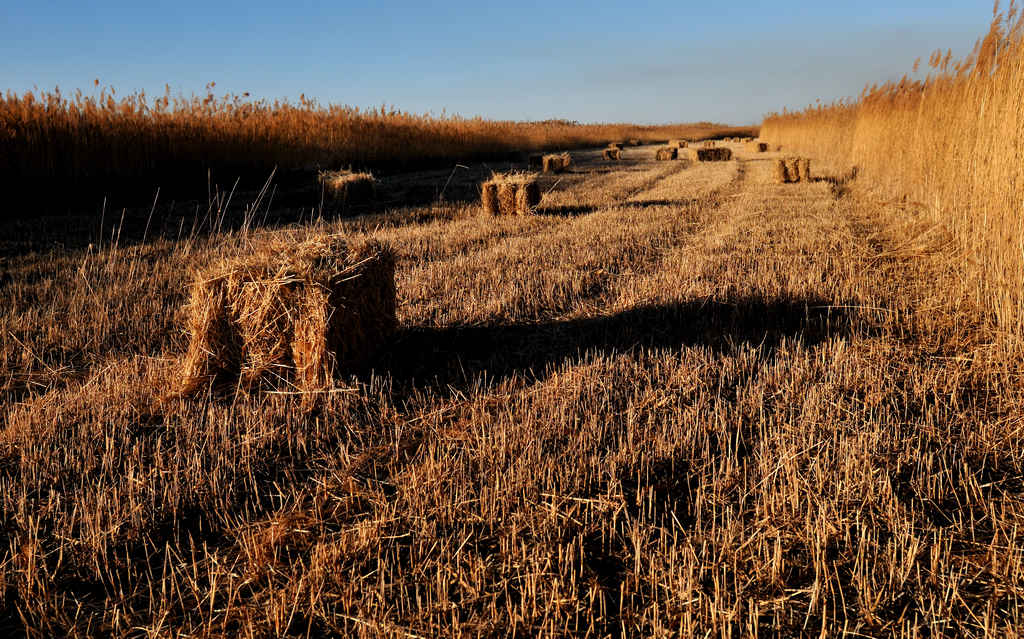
680, 400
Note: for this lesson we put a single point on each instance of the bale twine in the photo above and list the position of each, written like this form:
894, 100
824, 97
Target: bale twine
667, 153
612, 154
292, 313
489, 197
347, 188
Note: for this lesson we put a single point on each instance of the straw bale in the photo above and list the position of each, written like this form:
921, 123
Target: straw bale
793, 169
612, 154
556, 163
347, 187
780, 172
708, 144
714, 154
615, 145
667, 153
804, 166
513, 194
489, 197
507, 197
291, 313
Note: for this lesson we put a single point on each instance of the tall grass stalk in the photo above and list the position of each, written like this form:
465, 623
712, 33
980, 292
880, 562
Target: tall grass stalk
953, 142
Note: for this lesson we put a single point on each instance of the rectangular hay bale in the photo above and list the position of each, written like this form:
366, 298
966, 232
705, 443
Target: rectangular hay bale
292, 313
347, 188
511, 194
555, 163
713, 154
667, 153
612, 154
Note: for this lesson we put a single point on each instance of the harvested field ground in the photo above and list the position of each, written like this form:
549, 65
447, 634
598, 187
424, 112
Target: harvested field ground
680, 400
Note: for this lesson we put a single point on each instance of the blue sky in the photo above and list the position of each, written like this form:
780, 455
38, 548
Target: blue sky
639, 61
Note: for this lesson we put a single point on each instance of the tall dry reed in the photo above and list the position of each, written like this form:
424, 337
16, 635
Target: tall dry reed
953, 142
93, 141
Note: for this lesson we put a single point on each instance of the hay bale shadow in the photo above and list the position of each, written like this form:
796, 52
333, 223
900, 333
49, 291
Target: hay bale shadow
566, 211
454, 356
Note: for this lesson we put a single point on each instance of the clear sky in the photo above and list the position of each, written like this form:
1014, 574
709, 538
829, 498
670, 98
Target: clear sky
638, 61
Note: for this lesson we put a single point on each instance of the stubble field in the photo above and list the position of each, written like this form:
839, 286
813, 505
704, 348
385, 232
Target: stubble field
680, 400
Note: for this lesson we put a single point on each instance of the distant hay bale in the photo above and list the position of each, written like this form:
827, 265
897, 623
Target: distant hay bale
780, 172
714, 154
536, 161
804, 166
291, 313
756, 147
489, 197
347, 187
678, 144
556, 163
635, 142
667, 153
615, 145
511, 194
612, 154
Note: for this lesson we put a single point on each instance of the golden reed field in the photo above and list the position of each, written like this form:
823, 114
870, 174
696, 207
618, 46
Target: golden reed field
950, 145
677, 397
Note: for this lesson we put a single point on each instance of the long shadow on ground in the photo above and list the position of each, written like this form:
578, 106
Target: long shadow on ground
453, 356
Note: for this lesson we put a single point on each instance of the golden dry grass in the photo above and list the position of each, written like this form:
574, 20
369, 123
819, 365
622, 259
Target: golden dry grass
678, 401
950, 145
102, 144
